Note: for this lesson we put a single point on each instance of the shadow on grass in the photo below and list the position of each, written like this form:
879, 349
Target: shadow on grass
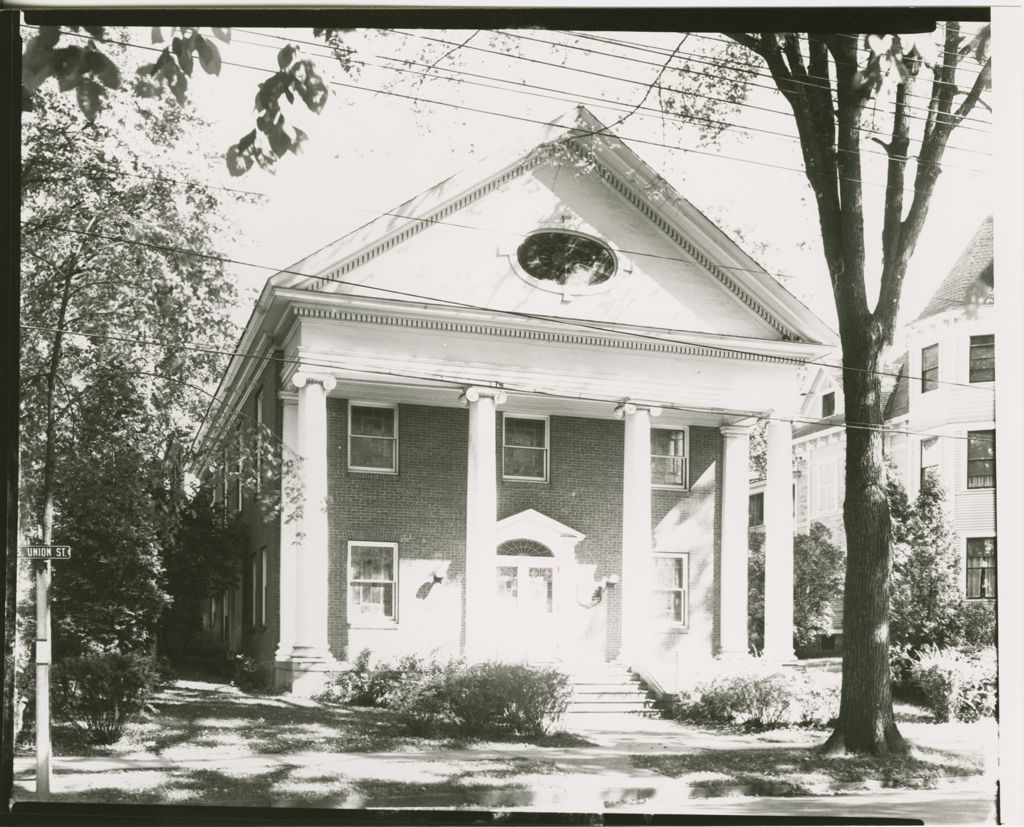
794, 771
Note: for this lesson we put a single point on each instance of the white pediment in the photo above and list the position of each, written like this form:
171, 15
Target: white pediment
532, 525
456, 245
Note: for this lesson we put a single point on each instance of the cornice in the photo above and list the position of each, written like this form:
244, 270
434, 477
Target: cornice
510, 332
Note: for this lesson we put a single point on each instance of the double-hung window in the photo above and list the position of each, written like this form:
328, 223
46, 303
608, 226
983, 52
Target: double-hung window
981, 459
258, 590
259, 442
825, 486
373, 438
372, 578
929, 368
828, 404
525, 448
238, 465
983, 358
669, 457
756, 509
671, 589
981, 567
930, 457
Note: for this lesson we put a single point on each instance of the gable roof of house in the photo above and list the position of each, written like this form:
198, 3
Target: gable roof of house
970, 280
712, 250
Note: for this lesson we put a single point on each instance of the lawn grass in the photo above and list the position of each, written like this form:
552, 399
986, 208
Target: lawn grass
207, 743
799, 771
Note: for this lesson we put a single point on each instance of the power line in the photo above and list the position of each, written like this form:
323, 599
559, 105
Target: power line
463, 381
613, 77
402, 294
569, 97
577, 132
702, 60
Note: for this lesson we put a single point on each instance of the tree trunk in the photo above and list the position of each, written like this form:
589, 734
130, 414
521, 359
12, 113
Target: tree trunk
866, 721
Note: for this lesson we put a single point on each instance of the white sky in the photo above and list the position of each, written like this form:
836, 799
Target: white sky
368, 152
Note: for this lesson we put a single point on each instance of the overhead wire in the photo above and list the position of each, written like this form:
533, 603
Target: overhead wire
576, 131
522, 88
463, 381
707, 61
574, 323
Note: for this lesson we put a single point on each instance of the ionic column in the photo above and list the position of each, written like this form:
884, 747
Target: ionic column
635, 587
778, 543
481, 517
735, 517
311, 554
289, 530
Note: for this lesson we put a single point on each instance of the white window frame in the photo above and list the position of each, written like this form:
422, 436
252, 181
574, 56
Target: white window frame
357, 620
823, 396
238, 464
817, 467
967, 461
259, 441
921, 467
363, 469
685, 557
263, 587
547, 447
934, 380
253, 591
966, 559
685, 484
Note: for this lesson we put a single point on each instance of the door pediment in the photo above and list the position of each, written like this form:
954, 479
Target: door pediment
532, 525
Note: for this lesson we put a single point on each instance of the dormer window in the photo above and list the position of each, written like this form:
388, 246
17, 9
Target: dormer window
828, 404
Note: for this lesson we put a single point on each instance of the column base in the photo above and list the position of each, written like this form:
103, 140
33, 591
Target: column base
733, 655
303, 675
779, 655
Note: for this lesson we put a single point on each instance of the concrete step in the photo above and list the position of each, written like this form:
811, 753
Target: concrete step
604, 707
626, 697
608, 686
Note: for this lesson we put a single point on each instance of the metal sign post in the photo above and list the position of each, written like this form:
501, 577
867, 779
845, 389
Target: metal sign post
43, 555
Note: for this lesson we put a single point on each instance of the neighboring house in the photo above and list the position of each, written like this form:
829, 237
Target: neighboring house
939, 409
522, 403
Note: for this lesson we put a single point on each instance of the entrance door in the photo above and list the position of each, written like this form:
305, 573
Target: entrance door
525, 611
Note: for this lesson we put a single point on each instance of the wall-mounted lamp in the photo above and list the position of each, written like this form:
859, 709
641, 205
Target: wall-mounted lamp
611, 580
436, 576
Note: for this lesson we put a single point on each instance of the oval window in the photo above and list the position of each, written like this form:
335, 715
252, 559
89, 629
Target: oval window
566, 259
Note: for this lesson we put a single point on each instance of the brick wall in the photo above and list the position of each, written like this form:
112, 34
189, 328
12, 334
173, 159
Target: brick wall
422, 509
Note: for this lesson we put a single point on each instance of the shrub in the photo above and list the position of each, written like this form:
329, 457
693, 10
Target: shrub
102, 693
955, 684
504, 697
249, 675
760, 699
978, 623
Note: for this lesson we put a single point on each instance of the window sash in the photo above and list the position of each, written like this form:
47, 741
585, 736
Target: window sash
981, 459
828, 404
825, 482
929, 456
981, 567
671, 595
524, 454
669, 457
372, 440
756, 509
259, 441
372, 578
983, 358
929, 368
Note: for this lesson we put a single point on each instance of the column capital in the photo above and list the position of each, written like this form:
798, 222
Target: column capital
741, 428
476, 392
302, 378
627, 408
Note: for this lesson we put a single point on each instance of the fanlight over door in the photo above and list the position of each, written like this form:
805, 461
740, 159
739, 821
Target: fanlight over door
526, 613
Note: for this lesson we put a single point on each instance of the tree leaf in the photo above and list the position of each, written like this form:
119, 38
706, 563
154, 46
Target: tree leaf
147, 87
178, 86
184, 55
157, 34
90, 95
68, 64
37, 63
280, 143
103, 67
286, 55
209, 55
222, 34
96, 31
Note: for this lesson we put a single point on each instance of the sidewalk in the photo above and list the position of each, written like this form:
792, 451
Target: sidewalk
594, 778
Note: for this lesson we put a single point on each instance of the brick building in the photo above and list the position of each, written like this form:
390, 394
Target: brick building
939, 406
521, 404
